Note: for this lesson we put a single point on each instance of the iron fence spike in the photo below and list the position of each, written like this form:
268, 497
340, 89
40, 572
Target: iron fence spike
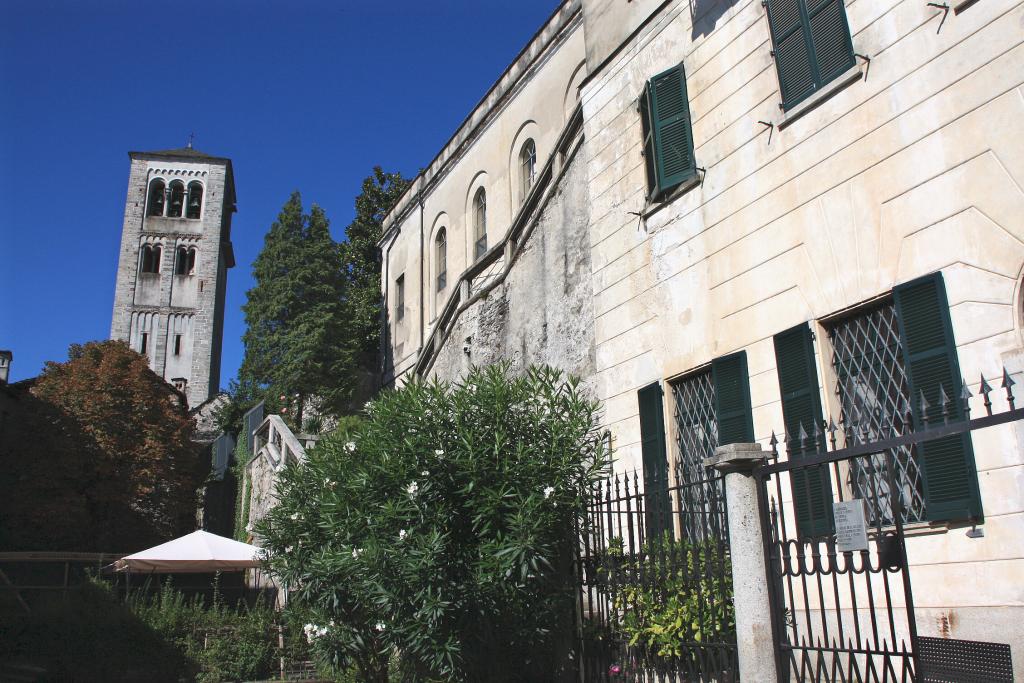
924, 406
1007, 380
943, 398
965, 391
985, 388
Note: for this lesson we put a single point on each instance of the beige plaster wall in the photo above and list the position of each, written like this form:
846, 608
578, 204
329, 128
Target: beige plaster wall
917, 166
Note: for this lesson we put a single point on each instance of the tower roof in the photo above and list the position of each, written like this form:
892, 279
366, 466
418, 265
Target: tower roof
180, 153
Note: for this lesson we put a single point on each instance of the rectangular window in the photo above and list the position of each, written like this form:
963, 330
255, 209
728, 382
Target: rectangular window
400, 297
177, 345
696, 437
811, 44
884, 357
143, 343
668, 136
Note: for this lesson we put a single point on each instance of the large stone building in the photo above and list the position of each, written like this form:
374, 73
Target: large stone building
172, 271
815, 204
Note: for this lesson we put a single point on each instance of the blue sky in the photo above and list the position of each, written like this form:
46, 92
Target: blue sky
302, 95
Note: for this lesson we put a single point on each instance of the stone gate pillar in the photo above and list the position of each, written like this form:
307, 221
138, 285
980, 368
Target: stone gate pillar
754, 640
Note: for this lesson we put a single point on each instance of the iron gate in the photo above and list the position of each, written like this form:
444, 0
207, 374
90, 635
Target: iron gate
849, 615
654, 568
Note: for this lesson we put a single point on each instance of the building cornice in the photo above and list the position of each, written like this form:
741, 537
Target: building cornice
566, 19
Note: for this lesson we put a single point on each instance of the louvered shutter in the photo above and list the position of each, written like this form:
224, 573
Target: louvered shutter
673, 137
947, 464
812, 44
652, 441
801, 407
732, 399
649, 153
830, 38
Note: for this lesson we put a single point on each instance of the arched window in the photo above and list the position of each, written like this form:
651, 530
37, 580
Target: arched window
177, 199
156, 198
195, 200
480, 222
441, 258
151, 258
185, 261
527, 168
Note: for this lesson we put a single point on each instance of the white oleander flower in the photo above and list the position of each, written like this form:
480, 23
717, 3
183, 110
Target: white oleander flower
379, 626
350, 446
402, 534
548, 491
356, 552
295, 515
412, 489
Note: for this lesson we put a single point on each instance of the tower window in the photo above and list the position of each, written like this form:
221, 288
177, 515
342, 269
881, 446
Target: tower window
177, 345
156, 198
527, 168
177, 199
185, 261
195, 200
144, 343
151, 254
480, 222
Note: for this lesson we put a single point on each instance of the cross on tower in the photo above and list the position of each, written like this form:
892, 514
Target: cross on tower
191, 137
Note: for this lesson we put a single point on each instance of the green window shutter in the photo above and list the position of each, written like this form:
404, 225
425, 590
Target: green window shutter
673, 137
830, 38
732, 399
801, 407
658, 512
648, 130
947, 464
812, 44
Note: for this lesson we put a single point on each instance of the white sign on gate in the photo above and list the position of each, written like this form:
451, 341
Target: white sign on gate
851, 527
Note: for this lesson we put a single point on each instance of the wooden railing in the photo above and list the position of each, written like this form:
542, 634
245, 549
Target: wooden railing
493, 266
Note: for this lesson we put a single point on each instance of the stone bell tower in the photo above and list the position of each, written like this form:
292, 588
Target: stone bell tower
172, 270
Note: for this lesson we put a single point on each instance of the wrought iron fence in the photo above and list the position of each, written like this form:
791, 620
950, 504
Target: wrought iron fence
657, 607
848, 615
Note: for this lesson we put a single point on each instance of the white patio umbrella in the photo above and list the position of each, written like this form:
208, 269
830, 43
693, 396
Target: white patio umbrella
199, 551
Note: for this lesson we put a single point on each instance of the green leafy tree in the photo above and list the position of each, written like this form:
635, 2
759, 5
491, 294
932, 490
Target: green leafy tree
99, 456
380, 192
439, 531
295, 317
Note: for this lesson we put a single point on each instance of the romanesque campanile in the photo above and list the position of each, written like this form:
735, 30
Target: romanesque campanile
172, 271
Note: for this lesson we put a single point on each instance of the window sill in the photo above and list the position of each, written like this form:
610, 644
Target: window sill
670, 196
841, 82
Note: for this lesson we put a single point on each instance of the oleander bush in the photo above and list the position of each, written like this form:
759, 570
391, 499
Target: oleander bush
434, 540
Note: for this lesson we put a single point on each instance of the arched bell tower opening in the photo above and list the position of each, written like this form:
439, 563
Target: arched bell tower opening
172, 272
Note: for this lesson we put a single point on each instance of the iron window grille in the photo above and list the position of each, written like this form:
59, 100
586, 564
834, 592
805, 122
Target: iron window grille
696, 437
873, 388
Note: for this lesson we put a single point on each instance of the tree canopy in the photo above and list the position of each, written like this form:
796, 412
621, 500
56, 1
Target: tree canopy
295, 319
98, 456
313, 317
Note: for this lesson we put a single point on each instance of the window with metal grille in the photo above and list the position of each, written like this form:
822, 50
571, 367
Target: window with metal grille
696, 437
873, 387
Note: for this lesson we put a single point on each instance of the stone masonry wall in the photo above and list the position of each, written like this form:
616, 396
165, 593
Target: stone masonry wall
543, 312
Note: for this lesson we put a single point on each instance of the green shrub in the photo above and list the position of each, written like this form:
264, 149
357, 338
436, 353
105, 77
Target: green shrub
440, 530
672, 595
